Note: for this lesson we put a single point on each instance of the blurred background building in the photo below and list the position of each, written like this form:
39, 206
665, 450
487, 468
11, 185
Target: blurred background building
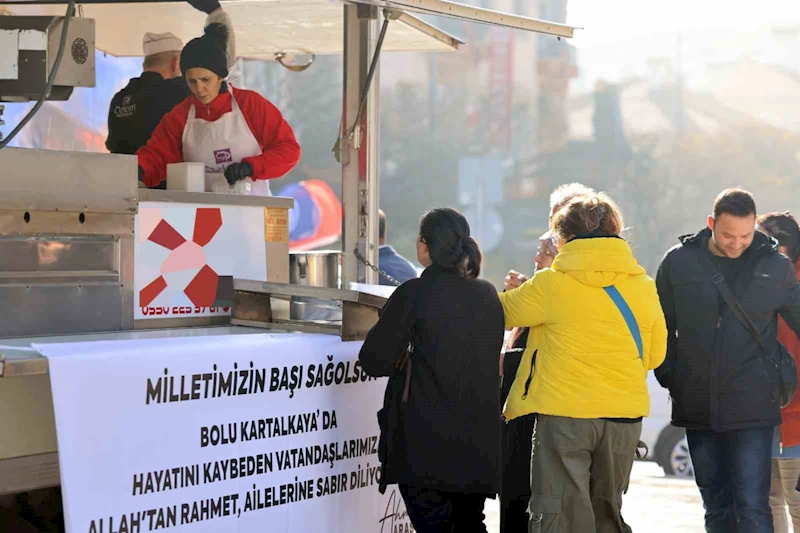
661, 104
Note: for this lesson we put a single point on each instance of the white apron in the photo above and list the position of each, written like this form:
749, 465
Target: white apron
221, 143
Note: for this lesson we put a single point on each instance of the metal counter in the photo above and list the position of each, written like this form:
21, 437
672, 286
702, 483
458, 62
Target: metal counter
184, 197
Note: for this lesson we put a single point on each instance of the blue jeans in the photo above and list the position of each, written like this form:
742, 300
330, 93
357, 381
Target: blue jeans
732, 470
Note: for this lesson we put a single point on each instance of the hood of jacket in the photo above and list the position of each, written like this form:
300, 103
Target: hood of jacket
762, 243
598, 261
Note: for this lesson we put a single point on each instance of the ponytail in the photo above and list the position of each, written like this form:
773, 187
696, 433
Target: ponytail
472, 259
446, 233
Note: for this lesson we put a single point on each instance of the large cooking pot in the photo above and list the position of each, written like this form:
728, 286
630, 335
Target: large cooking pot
315, 269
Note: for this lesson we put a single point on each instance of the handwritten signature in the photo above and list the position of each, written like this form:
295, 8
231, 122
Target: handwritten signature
392, 514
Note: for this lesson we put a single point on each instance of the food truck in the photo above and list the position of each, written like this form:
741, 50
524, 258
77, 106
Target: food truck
153, 373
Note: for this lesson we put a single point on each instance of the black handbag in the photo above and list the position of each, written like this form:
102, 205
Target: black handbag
784, 364
389, 417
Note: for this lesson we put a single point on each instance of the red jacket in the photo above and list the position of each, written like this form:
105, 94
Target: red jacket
280, 150
790, 428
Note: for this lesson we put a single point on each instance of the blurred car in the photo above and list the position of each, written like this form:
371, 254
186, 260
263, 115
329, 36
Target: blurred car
666, 443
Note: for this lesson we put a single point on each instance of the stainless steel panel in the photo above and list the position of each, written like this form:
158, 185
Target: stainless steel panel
125, 269
25, 341
21, 474
52, 255
53, 309
17, 359
186, 197
36, 223
26, 409
33, 366
78, 64
166, 323
79, 182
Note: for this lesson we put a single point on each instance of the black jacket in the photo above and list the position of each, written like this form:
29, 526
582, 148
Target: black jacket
449, 430
136, 110
516, 434
714, 368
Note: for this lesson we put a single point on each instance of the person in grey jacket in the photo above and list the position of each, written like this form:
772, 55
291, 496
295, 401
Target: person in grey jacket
723, 391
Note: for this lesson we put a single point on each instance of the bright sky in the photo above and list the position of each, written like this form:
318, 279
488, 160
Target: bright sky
608, 21
619, 36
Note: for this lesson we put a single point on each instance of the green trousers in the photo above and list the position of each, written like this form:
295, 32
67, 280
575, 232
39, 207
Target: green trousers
580, 469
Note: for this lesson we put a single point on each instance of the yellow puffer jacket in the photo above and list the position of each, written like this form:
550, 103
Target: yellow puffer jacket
587, 362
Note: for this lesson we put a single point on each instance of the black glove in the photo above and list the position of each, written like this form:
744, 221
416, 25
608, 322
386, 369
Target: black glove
206, 6
238, 171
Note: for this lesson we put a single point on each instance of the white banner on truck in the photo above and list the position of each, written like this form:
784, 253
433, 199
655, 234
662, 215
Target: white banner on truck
239, 433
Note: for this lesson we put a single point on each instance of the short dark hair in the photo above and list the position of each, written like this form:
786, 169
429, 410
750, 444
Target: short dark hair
736, 202
381, 224
784, 228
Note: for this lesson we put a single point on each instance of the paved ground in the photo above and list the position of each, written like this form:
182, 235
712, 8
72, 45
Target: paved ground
654, 504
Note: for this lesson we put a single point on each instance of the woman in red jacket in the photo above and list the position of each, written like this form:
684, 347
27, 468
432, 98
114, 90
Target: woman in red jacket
786, 449
233, 131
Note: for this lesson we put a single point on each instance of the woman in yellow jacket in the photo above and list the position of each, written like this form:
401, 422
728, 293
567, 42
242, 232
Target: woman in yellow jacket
596, 329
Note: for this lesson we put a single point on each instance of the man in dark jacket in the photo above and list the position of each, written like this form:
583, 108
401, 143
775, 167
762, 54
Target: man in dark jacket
723, 391
389, 261
136, 110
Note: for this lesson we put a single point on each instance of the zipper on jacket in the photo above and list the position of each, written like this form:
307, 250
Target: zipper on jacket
530, 376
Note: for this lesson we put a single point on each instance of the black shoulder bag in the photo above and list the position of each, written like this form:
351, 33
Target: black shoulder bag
784, 364
389, 417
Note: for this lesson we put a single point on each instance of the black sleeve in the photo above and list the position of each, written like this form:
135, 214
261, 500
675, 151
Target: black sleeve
111, 141
664, 286
388, 339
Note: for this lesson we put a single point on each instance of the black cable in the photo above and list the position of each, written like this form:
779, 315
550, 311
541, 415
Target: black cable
50, 80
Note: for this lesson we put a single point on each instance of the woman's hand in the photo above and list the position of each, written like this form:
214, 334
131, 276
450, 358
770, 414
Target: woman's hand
238, 171
513, 280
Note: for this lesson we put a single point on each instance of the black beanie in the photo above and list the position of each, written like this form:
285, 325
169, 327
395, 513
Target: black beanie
208, 51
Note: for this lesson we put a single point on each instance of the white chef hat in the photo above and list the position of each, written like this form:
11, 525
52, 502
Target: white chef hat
157, 43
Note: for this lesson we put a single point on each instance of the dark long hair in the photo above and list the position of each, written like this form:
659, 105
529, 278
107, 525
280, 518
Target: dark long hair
446, 232
783, 227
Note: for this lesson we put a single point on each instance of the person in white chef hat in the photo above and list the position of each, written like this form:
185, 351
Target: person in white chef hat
136, 110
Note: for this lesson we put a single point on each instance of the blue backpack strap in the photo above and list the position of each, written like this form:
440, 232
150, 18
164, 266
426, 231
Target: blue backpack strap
627, 314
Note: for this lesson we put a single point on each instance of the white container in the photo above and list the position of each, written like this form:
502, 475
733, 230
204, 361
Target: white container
216, 182
186, 177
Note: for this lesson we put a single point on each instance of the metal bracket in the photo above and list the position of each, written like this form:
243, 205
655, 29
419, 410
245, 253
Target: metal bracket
393, 14
341, 151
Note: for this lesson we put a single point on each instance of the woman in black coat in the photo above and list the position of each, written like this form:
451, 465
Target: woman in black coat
438, 340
